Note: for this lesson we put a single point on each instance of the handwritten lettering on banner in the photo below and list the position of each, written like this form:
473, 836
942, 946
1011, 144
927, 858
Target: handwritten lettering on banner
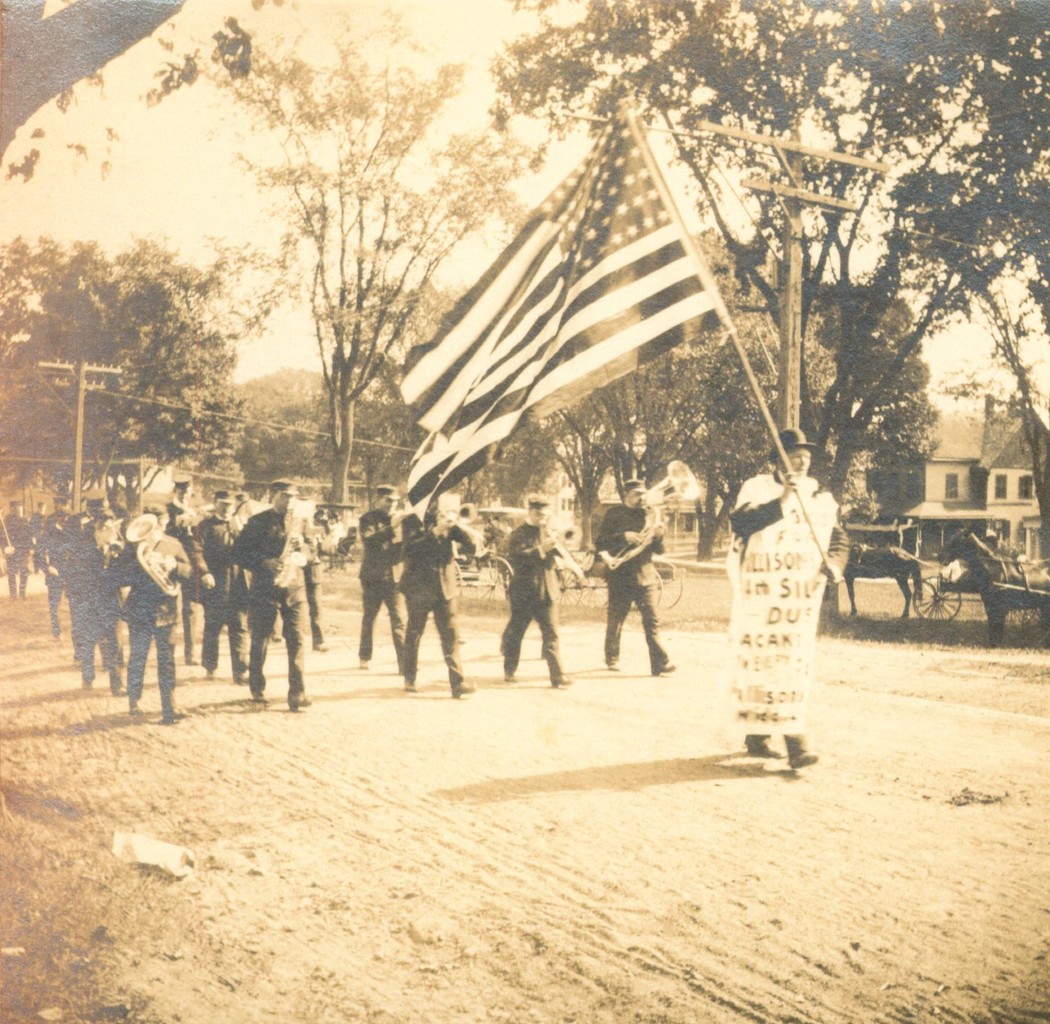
777, 592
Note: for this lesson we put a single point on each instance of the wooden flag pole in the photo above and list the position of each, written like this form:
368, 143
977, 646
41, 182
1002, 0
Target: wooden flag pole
707, 280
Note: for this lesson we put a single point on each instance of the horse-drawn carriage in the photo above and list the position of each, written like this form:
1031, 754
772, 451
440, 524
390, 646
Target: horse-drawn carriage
1005, 583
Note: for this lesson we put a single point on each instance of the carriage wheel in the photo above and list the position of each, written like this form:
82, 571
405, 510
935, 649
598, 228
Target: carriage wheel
571, 586
935, 603
1033, 632
498, 575
594, 593
672, 581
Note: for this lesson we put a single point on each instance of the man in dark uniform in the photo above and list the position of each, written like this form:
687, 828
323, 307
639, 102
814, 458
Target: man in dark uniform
19, 549
429, 585
217, 535
380, 533
271, 547
627, 528
150, 607
182, 522
51, 559
534, 591
93, 538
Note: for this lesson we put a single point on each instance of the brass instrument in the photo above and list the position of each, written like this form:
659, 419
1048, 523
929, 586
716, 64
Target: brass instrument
294, 556
144, 533
679, 482
468, 514
551, 540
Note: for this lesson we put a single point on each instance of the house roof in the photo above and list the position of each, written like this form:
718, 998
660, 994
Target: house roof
959, 438
1004, 445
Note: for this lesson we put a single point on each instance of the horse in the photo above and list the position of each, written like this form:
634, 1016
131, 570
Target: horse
873, 563
1004, 582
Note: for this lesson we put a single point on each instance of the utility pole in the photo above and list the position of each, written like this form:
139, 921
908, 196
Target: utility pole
81, 371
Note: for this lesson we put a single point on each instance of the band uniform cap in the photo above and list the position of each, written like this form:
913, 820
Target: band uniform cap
386, 490
538, 501
792, 441
221, 496
95, 498
154, 508
634, 484
284, 487
182, 480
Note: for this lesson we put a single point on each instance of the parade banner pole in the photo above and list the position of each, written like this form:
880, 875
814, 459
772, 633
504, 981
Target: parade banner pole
711, 287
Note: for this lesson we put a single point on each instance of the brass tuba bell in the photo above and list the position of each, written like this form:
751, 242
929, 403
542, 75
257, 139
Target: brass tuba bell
140, 532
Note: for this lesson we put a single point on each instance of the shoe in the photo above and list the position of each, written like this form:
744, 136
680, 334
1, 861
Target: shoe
134, 710
411, 688
258, 698
321, 648
508, 677
666, 670
613, 666
209, 673
463, 690
240, 680
172, 719
192, 662
116, 690
89, 684
363, 665
301, 701
759, 747
562, 683
802, 760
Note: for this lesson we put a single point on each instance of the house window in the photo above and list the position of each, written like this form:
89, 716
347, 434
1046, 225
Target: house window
1024, 488
1000, 486
951, 486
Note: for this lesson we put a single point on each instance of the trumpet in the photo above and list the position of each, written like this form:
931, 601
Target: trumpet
679, 482
294, 556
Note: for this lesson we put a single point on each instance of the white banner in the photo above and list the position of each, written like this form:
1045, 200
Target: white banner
777, 591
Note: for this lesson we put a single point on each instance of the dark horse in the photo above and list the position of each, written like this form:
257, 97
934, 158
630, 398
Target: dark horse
1004, 582
871, 563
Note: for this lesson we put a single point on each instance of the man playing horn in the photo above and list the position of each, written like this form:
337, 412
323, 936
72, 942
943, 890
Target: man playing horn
182, 523
629, 527
272, 548
217, 534
534, 591
152, 565
380, 532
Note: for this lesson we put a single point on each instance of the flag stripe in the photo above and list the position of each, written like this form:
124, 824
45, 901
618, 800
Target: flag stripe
598, 283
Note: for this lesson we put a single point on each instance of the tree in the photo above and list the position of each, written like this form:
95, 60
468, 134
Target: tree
914, 85
144, 312
373, 202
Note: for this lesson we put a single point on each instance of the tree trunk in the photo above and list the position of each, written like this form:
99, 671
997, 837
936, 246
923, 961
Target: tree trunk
344, 449
706, 527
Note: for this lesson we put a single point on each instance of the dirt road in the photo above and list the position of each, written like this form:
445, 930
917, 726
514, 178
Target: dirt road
590, 855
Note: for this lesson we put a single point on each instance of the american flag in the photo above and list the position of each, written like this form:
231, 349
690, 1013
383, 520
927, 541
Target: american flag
598, 282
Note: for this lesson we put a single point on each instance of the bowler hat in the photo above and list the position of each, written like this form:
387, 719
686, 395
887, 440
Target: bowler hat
792, 441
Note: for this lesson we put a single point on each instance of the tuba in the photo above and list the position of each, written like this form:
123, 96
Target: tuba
680, 483
551, 539
159, 568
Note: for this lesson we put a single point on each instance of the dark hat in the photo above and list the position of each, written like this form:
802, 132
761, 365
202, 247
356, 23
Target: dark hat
538, 501
386, 490
633, 484
61, 499
792, 441
181, 480
95, 498
284, 487
221, 496
155, 508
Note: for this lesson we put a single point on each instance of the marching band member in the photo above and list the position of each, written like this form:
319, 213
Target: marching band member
633, 581
271, 547
380, 533
429, 585
182, 521
217, 534
313, 578
51, 556
534, 591
18, 535
778, 578
152, 565
93, 538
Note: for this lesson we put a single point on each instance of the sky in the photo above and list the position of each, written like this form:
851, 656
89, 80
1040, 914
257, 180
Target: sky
171, 173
